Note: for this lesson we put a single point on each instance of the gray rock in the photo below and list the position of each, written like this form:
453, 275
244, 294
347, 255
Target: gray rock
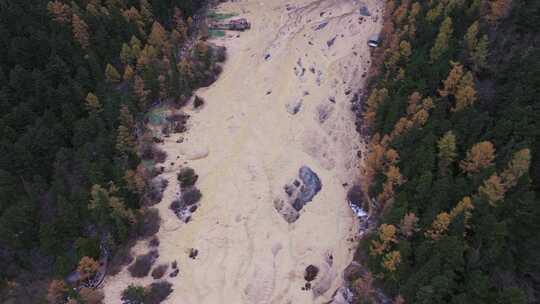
312, 184
294, 107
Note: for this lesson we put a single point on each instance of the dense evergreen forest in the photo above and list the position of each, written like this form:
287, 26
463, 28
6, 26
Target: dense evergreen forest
453, 167
76, 79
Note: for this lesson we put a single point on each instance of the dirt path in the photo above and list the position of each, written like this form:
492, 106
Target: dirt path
248, 252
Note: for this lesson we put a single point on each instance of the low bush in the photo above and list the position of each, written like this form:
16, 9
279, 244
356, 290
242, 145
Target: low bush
154, 242
122, 256
159, 271
160, 156
198, 102
155, 293
149, 223
187, 177
220, 54
155, 192
133, 295
158, 292
191, 196
141, 267
91, 296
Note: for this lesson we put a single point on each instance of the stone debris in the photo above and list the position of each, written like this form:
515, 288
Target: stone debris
297, 194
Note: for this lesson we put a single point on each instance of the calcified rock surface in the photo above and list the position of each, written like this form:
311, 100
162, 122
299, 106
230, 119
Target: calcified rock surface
249, 145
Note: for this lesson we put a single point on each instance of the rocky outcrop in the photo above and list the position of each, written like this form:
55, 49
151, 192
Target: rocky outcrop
297, 194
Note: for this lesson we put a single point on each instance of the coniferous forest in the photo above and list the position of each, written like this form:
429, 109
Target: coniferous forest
453, 167
77, 78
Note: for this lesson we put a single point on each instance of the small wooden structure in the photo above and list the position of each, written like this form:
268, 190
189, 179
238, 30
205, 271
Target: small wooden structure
234, 25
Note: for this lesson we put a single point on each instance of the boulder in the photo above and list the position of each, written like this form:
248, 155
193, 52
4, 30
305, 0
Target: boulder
294, 106
311, 273
312, 184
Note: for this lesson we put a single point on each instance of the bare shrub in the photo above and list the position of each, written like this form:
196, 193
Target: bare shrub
155, 192
198, 102
147, 152
154, 242
133, 295
159, 156
141, 267
159, 291
57, 291
159, 271
91, 296
150, 222
191, 196
220, 54
121, 257
187, 177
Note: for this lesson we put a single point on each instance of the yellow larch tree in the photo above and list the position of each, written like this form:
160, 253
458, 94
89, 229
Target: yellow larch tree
442, 40
80, 31
391, 260
480, 156
439, 226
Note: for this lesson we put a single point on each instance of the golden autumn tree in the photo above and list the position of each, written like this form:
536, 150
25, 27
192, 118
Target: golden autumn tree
111, 74
393, 179
408, 225
465, 92
451, 82
126, 55
158, 38
146, 56
87, 267
435, 12
447, 151
133, 15
92, 102
497, 10
374, 100
439, 226
460, 84
493, 189
465, 207
471, 39
391, 260
80, 31
517, 167
91, 296
135, 46
364, 285
60, 12
386, 237
480, 53
374, 160
135, 181
413, 101
128, 73
405, 49
480, 156
125, 141
56, 291
92, 9
442, 40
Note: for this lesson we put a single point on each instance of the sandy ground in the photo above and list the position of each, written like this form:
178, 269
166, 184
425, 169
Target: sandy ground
248, 253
